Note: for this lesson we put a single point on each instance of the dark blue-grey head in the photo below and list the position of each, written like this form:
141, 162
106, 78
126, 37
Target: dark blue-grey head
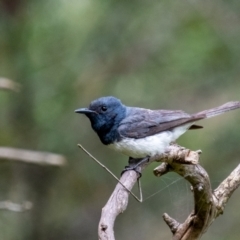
105, 114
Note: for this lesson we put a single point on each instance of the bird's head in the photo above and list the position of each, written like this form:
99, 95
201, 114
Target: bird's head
105, 114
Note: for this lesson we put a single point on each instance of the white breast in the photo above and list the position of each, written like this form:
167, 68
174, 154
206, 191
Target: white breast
151, 145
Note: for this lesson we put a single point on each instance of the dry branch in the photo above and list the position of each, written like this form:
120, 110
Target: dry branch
27, 156
226, 188
116, 204
15, 207
208, 204
7, 84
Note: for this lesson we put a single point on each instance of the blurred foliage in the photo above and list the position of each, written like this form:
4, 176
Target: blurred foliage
154, 54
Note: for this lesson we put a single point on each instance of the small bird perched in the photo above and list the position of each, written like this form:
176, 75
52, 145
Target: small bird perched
141, 133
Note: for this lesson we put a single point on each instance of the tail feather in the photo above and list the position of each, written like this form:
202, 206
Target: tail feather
219, 110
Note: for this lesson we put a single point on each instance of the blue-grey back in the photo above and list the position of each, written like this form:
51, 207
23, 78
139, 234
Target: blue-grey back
140, 122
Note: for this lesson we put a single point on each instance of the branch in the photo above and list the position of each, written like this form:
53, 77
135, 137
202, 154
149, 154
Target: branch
27, 156
7, 84
204, 208
207, 207
116, 204
118, 201
224, 191
15, 207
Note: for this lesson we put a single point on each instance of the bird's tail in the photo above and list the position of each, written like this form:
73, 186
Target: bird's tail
219, 110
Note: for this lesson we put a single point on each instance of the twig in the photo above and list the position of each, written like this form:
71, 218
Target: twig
114, 176
34, 157
172, 223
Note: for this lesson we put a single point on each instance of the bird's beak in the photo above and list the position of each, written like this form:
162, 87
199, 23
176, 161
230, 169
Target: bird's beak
84, 110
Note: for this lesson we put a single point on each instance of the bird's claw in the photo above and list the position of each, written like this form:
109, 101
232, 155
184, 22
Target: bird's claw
134, 164
134, 168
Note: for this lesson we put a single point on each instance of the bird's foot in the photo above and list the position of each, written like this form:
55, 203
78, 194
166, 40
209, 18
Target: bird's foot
128, 168
134, 164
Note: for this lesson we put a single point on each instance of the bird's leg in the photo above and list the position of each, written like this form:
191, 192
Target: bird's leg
134, 163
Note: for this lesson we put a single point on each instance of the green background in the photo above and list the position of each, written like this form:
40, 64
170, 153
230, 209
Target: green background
154, 54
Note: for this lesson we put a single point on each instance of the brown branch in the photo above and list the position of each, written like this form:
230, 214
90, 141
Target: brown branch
204, 206
35, 157
172, 223
7, 84
207, 207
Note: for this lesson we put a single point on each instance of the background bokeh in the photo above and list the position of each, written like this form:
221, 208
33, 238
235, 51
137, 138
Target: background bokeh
153, 54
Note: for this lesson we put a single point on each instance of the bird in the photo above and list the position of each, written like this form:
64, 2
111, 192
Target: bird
141, 133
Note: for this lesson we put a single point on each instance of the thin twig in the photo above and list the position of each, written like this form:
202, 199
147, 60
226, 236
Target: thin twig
113, 175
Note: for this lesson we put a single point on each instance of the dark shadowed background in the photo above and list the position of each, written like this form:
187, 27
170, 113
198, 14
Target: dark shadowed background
153, 54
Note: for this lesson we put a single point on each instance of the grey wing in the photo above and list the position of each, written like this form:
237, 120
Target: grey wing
140, 123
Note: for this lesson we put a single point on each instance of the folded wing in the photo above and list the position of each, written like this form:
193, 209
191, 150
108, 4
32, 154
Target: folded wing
141, 123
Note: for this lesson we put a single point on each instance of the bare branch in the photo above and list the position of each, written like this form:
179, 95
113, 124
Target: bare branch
7, 84
226, 189
207, 207
27, 156
172, 223
15, 207
177, 154
204, 206
116, 204
162, 169
118, 201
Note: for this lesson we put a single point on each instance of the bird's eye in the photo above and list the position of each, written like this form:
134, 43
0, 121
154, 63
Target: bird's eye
104, 108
